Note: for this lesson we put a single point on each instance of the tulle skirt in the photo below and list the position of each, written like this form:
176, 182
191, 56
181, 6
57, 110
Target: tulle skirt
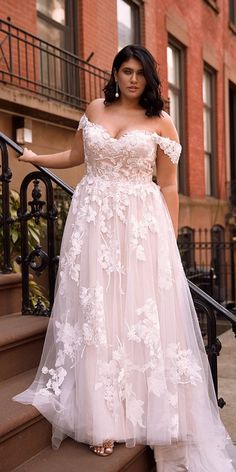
123, 357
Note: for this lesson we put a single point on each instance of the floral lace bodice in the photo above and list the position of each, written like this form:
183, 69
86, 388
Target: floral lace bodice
130, 157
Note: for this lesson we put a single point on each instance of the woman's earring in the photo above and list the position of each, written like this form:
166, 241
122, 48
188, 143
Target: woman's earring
117, 90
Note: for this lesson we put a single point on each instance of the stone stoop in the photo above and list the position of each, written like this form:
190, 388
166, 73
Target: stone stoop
21, 342
25, 435
23, 431
75, 457
10, 293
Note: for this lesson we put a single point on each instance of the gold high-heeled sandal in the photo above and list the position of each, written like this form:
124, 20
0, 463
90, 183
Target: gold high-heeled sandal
105, 450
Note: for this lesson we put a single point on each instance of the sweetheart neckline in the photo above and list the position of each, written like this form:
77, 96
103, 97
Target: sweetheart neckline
125, 133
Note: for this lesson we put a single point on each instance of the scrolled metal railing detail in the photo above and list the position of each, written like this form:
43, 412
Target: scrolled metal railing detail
40, 209
48, 260
36, 204
38, 255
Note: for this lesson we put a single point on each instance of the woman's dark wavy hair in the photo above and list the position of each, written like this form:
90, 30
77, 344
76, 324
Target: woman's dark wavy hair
151, 99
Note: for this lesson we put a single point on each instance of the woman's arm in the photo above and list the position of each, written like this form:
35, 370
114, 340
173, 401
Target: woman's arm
61, 160
167, 173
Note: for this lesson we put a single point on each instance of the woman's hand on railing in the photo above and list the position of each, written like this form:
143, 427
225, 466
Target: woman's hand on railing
28, 156
60, 160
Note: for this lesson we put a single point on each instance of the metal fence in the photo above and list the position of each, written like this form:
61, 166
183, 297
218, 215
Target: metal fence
30, 63
209, 260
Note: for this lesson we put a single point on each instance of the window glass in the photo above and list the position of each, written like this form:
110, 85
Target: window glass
52, 35
128, 23
54, 9
175, 96
208, 128
56, 24
207, 89
173, 63
208, 174
174, 109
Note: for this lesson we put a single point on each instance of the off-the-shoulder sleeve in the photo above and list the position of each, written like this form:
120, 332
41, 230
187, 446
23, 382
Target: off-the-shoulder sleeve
171, 148
82, 122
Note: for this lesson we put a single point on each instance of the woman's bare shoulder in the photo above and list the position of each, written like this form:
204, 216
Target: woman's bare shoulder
166, 127
95, 107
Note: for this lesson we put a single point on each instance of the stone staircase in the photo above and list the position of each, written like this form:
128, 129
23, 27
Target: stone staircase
25, 435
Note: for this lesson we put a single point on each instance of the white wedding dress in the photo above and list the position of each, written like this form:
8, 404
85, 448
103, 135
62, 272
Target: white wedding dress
123, 357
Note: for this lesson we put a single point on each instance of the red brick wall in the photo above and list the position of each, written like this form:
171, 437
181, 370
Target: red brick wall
98, 31
21, 13
205, 28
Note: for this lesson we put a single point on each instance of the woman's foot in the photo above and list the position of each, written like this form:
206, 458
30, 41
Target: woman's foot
105, 450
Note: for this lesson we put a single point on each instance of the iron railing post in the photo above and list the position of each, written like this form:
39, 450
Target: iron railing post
5, 218
233, 268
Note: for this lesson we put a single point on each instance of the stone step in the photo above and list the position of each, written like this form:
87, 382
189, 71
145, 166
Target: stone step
77, 457
10, 293
23, 430
21, 342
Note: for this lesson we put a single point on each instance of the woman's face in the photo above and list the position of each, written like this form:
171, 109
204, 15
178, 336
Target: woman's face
131, 79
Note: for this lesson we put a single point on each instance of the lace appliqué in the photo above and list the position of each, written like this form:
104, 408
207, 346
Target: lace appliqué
171, 148
131, 157
74, 338
67, 335
182, 366
147, 329
115, 379
109, 257
164, 273
127, 145
140, 231
93, 329
117, 376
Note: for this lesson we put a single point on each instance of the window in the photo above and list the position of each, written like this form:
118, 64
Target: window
209, 130
56, 28
56, 22
175, 68
232, 11
128, 17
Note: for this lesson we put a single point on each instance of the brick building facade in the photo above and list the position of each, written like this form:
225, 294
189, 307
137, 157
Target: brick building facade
195, 47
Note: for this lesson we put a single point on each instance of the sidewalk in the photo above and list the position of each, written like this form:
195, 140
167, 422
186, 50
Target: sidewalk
227, 384
227, 381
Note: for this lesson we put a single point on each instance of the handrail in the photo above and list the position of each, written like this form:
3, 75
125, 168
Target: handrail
67, 188
212, 303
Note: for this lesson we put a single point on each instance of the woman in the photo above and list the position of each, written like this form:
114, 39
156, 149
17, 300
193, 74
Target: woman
123, 358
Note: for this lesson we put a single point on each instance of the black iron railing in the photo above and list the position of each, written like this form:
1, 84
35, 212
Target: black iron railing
30, 63
209, 311
232, 193
39, 259
209, 260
